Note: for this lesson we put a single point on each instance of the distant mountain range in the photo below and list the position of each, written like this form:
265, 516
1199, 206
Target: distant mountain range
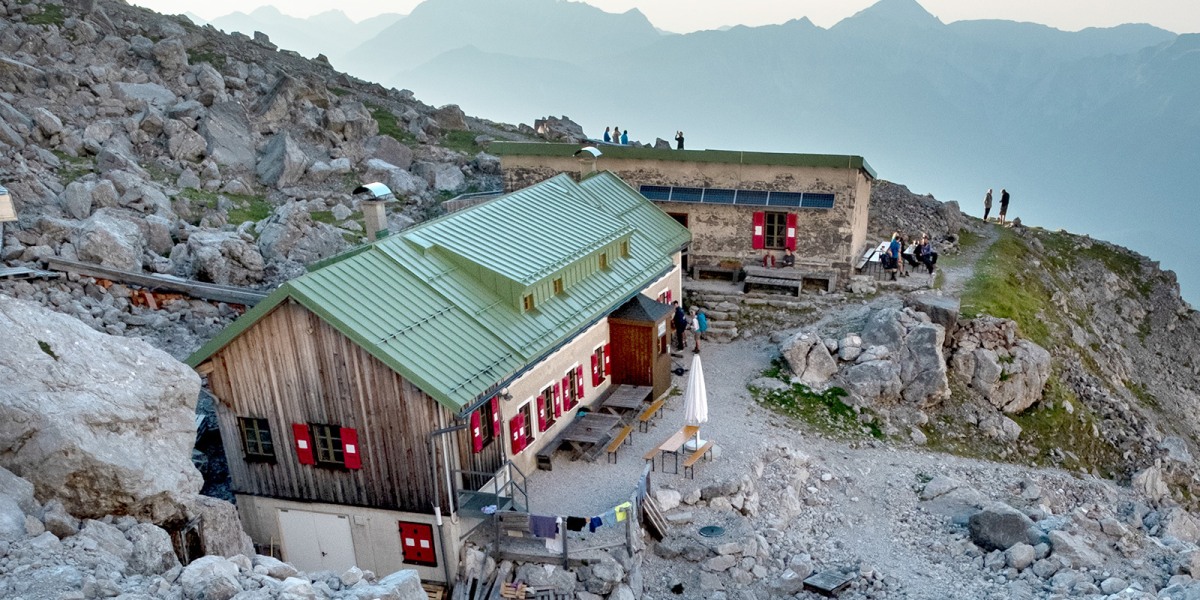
331, 33
1095, 131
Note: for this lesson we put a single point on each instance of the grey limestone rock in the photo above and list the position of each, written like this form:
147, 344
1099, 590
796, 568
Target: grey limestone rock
282, 162
999, 527
224, 257
152, 552
226, 128
210, 578
107, 239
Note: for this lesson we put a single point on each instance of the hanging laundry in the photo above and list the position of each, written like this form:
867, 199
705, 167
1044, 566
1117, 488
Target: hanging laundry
595, 524
555, 543
576, 523
609, 517
543, 527
623, 511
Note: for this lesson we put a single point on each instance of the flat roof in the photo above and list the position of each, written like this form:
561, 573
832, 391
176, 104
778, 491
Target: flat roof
834, 161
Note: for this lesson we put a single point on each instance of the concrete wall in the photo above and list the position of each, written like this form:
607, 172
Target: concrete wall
375, 532
831, 237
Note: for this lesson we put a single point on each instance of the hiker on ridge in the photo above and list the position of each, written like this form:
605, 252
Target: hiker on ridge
987, 205
1003, 205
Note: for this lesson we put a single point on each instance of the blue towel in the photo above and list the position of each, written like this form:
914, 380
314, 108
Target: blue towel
595, 524
543, 527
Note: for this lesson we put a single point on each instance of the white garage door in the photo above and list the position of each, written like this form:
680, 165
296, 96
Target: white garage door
316, 541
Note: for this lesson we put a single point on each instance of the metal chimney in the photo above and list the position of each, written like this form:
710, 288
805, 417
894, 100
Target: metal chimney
374, 208
587, 160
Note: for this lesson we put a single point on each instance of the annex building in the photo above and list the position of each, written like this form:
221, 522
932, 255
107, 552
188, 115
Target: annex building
371, 408
739, 206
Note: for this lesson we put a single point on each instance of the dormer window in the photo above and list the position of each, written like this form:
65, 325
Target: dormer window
527, 302
624, 249
558, 286
604, 260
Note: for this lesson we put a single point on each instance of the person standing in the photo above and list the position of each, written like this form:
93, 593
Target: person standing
679, 322
893, 253
987, 205
679, 140
926, 255
1003, 205
694, 325
625, 137
616, 135
608, 137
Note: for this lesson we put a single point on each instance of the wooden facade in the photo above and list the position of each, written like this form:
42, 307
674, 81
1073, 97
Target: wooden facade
640, 355
294, 368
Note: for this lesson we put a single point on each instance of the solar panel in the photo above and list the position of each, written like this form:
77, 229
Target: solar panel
818, 200
719, 196
686, 194
655, 192
785, 199
754, 197
666, 193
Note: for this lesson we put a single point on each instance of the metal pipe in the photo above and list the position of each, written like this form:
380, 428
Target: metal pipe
437, 509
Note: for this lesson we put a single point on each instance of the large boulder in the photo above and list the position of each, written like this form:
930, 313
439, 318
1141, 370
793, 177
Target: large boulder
1009, 372
401, 585
883, 328
224, 257
109, 240
873, 380
291, 234
401, 182
808, 358
282, 162
104, 424
183, 143
138, 95
1000, 527
226, 128
942, 310
151, 551
923, 366
210, 578
223, 533
387, 149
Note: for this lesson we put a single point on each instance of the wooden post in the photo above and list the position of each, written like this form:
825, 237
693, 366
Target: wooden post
563, 530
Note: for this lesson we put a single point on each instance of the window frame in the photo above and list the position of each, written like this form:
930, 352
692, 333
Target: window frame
774, 230
548, 401
527, 302
487, 419
572, 391
599, 354
603, 260
333, 457
262, 425
529, 409
558, 286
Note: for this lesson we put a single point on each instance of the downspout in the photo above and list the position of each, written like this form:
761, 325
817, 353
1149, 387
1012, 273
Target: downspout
437, 509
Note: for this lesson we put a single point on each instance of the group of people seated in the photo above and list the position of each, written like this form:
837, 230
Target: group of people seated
918, 253
789, 259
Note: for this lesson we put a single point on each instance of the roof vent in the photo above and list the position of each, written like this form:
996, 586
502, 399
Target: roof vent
587, 160
375, 195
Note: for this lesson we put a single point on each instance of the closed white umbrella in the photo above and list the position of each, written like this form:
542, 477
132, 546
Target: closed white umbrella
695, 400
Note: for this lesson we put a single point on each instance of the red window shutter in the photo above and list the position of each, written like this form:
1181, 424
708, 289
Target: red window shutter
790, 240
760, 222
595, 370
496, 427
579, 379
607, 359
416, 541
541, 408
304, 449
558, 400
350, 450
476, 433
567, 402
516, 430
668, 297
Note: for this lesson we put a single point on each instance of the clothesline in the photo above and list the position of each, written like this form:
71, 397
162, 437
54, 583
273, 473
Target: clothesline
546, 526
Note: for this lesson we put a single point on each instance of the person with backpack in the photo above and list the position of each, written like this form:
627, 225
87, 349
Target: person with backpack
699, 326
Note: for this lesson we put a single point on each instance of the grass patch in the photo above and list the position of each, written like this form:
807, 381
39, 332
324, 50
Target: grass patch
1143, 395
340, 92
462, 141
1004, 286
51, 15
72, 167
1068, 249
1070, 440
823, 411
389, 125
197, 56
968, 239
47, 349
246, 207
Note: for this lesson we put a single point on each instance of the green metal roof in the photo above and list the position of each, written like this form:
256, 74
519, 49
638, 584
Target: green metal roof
413, 303
836, 161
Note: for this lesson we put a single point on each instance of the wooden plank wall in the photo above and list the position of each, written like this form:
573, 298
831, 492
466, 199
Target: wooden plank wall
292, 367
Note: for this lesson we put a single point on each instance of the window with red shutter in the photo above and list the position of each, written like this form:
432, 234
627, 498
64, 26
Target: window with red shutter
578, 383
496, 427
756, 241
516, 432
476, 433
304, 446
789, 241
416, 542
558, 400
568, 391
350, 449
595, 370
541, 413
607, 360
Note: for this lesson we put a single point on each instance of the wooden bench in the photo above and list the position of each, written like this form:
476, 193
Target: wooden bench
649, 412
691, 461
545, 455
731, 272
616, 442
795, 284
650, 455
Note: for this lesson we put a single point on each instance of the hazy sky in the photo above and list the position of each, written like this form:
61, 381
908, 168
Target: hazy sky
1180, 16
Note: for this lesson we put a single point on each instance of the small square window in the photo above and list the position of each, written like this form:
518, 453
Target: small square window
548, 405
625, 249
527, 302
558, 286
604, 260
600, 362
327, 441
256, 439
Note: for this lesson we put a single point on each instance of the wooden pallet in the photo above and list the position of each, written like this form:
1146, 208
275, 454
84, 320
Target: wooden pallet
652, 519
434, 591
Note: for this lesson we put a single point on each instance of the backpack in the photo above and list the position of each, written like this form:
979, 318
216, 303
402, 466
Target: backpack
703, 321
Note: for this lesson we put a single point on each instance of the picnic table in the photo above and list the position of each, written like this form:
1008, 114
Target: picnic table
626, 398
589, 430
672, 445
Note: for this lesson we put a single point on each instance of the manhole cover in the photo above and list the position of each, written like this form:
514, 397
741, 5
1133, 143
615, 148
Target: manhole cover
712, 531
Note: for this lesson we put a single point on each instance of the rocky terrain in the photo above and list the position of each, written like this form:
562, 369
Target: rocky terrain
1012, 428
